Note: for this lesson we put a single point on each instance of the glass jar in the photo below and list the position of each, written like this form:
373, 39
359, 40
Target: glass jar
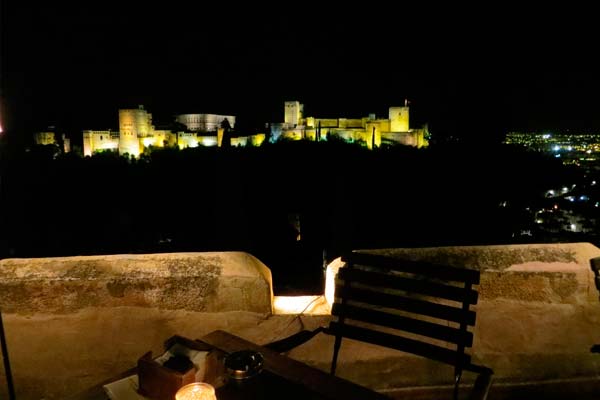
243, 374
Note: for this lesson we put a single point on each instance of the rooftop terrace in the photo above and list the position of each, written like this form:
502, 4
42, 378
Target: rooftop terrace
73, 322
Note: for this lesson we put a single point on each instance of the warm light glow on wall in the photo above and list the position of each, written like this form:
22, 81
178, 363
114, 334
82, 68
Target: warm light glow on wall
239, 141
292, 134
149, 141
44, 138
220, 133
258, 139
330, 275
108, 146
187, 140
310, 134
209, 141
399, 119
292, 304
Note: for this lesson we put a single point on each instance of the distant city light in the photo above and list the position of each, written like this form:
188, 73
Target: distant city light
565, 189
572, 149
593, 183
573, 227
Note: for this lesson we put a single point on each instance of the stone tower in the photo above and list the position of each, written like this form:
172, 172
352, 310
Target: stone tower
133, 125
399, 118
293, 112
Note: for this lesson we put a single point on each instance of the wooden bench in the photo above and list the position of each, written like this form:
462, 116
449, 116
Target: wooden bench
395, 297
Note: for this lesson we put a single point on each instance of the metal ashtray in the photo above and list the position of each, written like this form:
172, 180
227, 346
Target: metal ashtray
243, 364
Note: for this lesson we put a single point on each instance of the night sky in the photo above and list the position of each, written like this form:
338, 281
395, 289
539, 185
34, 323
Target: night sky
469, 72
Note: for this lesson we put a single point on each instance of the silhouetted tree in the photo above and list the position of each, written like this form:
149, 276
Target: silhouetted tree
226, 126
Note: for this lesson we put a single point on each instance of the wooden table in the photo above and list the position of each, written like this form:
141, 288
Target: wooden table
282, 378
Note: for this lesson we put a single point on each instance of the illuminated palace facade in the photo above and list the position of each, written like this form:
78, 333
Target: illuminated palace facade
137, 133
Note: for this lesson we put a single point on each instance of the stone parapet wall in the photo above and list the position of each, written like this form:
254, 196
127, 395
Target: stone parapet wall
205, 282
73, 322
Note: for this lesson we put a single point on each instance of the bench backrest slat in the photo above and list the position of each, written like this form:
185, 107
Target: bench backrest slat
443, 272
416, 326
428, 350
408, 304
385, 280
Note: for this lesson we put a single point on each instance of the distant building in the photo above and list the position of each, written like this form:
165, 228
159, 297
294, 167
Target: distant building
293, 113
369, 130
136, 133
51, 137
134, 126
204, 122
94, 141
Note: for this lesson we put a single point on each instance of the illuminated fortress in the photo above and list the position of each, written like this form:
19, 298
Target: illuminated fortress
137, 133
371, 131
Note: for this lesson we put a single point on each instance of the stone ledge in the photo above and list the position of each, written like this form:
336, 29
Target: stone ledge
497, 257
549, 273
206, 282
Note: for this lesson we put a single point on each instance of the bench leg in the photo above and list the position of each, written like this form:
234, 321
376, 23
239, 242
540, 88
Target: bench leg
457, 376
481, 387
336, 350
